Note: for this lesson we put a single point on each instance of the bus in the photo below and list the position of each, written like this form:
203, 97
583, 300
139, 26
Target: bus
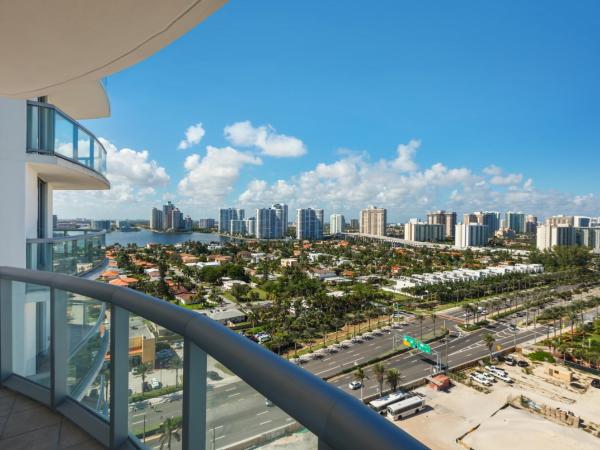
379, 405
406, 407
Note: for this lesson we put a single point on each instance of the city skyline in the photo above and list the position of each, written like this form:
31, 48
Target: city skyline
405, 140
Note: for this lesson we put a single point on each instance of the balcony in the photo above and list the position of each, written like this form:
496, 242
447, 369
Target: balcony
69, 252
63, 151
65, 344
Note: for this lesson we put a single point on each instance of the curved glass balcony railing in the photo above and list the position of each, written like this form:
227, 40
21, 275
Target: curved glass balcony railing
69, 254
138, 372
50, 131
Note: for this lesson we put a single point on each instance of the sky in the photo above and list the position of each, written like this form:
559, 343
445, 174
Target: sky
412, 106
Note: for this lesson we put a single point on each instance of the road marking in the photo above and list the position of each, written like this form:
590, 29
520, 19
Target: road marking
379, 346
233, 395
220, 437
135, 423
216, 428
265, 422
261, 413
230, 389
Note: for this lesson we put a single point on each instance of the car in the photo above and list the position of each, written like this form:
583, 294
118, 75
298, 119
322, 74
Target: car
268, 402
178, 345
155, 384
595, 383
146, 387
479, 379
502, 376
489, 376
353, 385
522, 363
509, 360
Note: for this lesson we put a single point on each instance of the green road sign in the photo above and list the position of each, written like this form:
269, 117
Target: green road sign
415, 343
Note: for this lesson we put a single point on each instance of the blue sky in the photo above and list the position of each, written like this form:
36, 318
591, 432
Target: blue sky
500, 100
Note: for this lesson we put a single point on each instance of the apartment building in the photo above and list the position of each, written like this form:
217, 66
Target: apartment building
424, 232
447, 219
336, 224
471, 235
373, 221
309, 224
226, 215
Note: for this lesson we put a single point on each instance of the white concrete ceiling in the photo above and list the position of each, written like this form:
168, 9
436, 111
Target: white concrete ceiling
62, 48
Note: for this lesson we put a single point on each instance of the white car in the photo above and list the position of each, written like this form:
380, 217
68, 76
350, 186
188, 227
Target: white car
354, 385
479, 379
489, 376
502, 376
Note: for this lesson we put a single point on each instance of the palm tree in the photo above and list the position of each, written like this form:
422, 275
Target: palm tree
420, 318
467, 308
177, 364
572, 317
392, 378
169, 430
360, 375
379, 373
143, 370
489, 340
433, 318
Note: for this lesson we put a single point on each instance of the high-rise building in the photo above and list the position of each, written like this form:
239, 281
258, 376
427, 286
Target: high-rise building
168, 215
188, 223
336, 224
581, 221
424, 232
237, 226
471, 235
266, 224
281, 214
156, 219
373, 221
206, 223
447, 219
560, 220
515, 221
531, 223
309, 224
561, 235
355, 224
105, 225
250, 224
226, 215
177, 219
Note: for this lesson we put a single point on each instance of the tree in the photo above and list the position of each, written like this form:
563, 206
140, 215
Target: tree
379, 373
360, 375
392, 378
143, 370
433, 319
177, 364
420, 318
489, 341
169, 431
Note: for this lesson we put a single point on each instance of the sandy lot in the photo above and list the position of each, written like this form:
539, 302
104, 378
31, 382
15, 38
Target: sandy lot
453, 414
519, 430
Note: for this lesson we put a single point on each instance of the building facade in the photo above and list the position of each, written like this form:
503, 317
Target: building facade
336, 224
471, 235
515, 221
373, 221
447, 219
226, 215
424, 232
206, 223
156, 219
309, 224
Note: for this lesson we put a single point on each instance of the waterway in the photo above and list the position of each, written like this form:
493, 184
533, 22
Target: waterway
143, 237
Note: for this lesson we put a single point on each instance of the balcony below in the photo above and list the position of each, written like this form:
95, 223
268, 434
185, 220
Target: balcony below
69, 254
62, 151
26, 424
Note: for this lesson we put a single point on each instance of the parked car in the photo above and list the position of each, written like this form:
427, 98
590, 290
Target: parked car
510, 360
354, 385
479, 379
522, 363
155, 384
596, 383
488, 376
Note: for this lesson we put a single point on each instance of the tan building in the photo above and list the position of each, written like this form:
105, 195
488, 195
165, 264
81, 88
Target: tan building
447, 219
142, 343
373, 221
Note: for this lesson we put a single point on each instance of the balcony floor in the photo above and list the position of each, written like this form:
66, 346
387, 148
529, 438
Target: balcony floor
28, 425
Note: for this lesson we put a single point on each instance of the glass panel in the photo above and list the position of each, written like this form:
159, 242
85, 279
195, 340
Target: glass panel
237, 414
88, 341
31, 331
156, 384
63, 136
84, 143
33, 127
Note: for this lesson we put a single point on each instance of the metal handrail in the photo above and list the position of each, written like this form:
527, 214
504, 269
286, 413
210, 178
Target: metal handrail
51, 240
337, 419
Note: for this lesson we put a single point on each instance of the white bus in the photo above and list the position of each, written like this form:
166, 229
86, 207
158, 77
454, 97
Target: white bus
379, 405
406, 407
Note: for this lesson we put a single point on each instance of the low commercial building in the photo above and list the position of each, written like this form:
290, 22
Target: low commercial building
142, 342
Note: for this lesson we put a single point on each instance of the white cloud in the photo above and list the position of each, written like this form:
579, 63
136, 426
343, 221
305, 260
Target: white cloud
406, 153
354, 181
209, 179
134, 178
265, 138
193, 136
510, 179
